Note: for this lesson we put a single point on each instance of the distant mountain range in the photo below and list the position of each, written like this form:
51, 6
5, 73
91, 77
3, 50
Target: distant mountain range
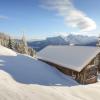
64, 40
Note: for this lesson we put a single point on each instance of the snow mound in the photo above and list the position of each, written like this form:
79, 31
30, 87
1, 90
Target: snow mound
27, 70
5, 51
11, 90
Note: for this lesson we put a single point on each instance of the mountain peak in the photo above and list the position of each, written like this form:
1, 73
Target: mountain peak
64, 40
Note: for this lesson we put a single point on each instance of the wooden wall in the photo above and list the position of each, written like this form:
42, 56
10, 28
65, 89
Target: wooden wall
80, 77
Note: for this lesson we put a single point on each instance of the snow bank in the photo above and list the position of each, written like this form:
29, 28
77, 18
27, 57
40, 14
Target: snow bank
11, 90
5, 51
25, 78
27, 70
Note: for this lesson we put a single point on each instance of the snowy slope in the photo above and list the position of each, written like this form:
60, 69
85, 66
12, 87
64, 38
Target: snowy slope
6, 52
25, 78
27, 70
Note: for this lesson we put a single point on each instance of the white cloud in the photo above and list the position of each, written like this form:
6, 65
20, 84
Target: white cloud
72, 16
3, 17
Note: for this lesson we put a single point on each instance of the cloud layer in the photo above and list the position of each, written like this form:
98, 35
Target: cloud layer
72, 16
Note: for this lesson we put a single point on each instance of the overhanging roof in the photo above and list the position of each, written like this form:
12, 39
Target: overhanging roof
72, 57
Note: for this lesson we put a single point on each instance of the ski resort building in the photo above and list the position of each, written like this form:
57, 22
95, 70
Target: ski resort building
80, 62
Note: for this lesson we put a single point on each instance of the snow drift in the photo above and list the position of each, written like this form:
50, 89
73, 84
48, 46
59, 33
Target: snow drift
27, 70
6, 52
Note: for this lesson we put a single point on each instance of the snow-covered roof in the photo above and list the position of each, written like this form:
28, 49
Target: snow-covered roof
72, 57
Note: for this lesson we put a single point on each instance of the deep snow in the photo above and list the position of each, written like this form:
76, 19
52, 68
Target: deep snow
25, 78
72, 57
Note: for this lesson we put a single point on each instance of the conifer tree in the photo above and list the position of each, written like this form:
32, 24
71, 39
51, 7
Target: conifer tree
10, 44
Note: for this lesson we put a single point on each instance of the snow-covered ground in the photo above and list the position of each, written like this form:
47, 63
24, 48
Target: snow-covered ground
25, 78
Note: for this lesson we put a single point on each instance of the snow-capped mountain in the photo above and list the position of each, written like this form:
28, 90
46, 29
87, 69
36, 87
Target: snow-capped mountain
80, 39
38, 45
64, 40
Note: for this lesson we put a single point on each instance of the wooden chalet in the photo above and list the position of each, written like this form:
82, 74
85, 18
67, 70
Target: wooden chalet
80, 62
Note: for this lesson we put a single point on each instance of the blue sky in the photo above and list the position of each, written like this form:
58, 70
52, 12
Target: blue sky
36, 19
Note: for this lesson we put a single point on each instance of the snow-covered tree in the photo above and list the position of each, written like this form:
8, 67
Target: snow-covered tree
31, 52
24, 45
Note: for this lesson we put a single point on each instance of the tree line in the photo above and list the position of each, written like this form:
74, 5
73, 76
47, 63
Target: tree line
18, 45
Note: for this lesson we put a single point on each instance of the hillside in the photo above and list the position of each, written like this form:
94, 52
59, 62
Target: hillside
25, 78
